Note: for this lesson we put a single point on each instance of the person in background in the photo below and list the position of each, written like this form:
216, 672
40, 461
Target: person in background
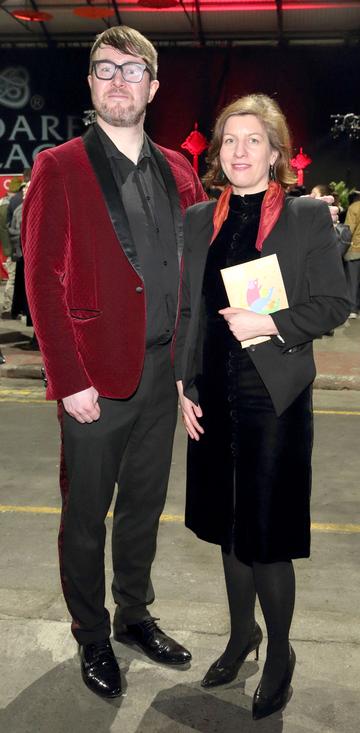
320, 190
342, 231
102, 273
20, 304
352, 256
5, 248
248, 411
3, 257
15, 194
19, 194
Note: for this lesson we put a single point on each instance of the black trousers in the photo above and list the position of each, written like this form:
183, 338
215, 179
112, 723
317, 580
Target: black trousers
352, 272
131, 445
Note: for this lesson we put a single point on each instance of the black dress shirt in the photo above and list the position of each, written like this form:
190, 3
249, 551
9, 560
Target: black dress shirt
146, 201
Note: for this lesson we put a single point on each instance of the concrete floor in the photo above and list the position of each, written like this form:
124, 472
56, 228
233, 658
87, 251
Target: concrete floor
41, 690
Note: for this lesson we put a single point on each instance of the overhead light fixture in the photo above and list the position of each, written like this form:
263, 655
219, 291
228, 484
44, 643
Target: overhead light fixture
157, 4
31, 16
90, 12
348, 124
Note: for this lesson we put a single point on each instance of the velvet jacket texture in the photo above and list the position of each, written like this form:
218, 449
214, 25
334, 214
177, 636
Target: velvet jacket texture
304, 240
84, 284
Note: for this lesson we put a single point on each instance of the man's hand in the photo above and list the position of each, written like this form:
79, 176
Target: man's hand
190, 413
245, 324
83, 406
334, 210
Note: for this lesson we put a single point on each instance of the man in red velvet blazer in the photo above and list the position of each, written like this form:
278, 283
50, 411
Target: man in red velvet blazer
102, 232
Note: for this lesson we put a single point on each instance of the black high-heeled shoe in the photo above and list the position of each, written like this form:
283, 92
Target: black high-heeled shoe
263, 705
222, 674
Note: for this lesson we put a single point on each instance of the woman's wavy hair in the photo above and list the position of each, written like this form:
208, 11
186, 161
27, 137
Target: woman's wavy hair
127, 40
270, 115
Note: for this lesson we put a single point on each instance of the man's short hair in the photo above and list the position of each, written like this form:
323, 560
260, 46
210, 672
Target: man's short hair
127, 40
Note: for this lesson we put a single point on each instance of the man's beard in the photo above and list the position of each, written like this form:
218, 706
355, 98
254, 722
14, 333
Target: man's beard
119, 116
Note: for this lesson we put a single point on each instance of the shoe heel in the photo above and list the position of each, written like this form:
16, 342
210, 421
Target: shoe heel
257, 653
263, 705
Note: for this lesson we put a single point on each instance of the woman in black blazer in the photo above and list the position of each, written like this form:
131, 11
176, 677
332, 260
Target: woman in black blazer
248, 411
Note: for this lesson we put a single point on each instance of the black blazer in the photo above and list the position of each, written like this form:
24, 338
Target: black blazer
305, 243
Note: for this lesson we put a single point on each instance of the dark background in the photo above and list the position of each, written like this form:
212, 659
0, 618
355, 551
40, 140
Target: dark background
310, 83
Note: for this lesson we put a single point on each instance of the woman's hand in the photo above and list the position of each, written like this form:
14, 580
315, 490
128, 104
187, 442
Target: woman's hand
245, 324
190, 413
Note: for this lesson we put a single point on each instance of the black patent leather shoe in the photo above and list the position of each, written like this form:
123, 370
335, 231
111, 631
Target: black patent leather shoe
263, 705
99, 668
152, 640
222, 674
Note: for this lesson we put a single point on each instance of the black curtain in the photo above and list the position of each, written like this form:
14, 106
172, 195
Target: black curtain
310, 84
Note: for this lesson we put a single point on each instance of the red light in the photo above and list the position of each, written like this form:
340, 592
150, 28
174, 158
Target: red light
31, 16
157, 4
216, 6
94, 13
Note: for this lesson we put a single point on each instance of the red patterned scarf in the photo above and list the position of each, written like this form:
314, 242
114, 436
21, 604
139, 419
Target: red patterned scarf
271, 209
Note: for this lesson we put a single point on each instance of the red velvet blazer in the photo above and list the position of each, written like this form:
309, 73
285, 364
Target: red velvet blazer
83, 280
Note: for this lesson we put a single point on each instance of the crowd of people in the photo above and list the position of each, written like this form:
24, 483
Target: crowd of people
348, 238
14, 302
128, 212
352, 255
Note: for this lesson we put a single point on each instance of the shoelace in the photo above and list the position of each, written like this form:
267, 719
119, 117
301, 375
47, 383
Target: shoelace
150, 625
103, 652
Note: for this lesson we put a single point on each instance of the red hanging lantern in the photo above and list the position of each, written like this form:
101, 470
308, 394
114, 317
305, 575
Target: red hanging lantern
300, 162
195, 144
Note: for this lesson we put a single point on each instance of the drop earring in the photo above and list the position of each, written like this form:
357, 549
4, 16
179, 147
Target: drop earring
272, 175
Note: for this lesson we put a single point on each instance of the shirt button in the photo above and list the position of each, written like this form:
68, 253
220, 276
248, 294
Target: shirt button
139, 289
148, 198
165, 263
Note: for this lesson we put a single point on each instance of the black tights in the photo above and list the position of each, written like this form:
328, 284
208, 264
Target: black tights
274, 583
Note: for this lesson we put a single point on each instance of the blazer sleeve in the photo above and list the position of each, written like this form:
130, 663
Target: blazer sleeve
326, 306
45, 238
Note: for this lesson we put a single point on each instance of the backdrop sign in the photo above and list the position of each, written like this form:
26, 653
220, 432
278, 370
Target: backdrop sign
4, 184
36, 111
44, 92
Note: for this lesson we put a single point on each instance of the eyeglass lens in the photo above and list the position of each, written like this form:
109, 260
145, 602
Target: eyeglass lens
130, 71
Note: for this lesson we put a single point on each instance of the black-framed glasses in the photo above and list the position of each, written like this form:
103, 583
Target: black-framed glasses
130, 71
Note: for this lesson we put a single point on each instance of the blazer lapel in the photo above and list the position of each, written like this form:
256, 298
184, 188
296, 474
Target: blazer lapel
171, 188
114, 204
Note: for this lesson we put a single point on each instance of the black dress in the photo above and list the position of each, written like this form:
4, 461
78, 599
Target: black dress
249, 476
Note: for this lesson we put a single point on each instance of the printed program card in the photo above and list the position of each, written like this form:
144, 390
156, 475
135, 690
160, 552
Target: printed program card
258, 286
